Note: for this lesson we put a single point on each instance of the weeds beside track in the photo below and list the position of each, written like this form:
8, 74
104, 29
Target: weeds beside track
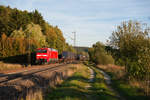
129, 89
78, 87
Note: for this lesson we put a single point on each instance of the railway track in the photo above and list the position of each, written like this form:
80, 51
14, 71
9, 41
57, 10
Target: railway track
15, 86
6, 78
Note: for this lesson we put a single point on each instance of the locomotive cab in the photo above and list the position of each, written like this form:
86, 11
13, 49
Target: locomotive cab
41, 55
46, 55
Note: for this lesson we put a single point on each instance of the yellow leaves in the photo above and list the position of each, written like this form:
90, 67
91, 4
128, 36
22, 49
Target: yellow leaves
18, 34
33, 32
4, 37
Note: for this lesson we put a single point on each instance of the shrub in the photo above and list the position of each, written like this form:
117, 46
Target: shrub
98, 54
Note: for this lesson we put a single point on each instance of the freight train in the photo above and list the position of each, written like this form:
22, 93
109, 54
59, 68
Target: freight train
67, 57
50, 55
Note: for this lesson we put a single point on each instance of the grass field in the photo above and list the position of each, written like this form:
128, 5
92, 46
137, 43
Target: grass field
78, 87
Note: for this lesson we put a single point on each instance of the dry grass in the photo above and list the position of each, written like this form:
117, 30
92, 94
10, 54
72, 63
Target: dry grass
39, 92
118, 71
6, 66
140, 84
34, 95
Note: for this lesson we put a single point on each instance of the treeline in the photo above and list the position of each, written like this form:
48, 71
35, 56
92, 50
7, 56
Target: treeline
130, 47
21, 32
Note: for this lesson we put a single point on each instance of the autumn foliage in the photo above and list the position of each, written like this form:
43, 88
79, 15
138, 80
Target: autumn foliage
21, 32
132, 43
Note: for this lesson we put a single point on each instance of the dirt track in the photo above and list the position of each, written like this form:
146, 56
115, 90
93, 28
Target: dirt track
108, 82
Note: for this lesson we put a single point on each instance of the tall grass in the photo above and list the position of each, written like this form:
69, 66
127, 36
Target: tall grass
117, 71
34, 95
129, 87
6, 66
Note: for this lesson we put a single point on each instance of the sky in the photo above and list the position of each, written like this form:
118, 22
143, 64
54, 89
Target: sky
92, 20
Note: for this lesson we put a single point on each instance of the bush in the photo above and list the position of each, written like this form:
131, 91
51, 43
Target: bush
98, 55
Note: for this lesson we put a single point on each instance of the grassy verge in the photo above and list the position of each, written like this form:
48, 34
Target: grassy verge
100, 91
73, 88
122, 85
78, 87
5, 66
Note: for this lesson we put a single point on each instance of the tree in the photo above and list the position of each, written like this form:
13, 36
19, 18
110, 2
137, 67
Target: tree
37, 18
69, 48
4, 20
18, 34
18, 19
33, 32
98, 54
133, 43
3, 40
51, 36
60, 41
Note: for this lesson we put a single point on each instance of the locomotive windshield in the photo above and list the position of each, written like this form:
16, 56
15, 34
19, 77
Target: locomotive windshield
41, 51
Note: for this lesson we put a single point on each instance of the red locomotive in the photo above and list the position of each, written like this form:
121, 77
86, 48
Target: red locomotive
46, 55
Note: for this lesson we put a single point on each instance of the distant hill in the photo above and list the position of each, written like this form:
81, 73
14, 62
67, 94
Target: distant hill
81, 49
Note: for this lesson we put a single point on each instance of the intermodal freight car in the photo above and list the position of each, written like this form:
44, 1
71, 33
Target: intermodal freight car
46, 55
67, 56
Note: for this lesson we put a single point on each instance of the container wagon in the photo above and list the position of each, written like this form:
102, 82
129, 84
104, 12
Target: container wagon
67, 57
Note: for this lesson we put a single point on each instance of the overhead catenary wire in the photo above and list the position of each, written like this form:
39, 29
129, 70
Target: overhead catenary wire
72, 38
69, 36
